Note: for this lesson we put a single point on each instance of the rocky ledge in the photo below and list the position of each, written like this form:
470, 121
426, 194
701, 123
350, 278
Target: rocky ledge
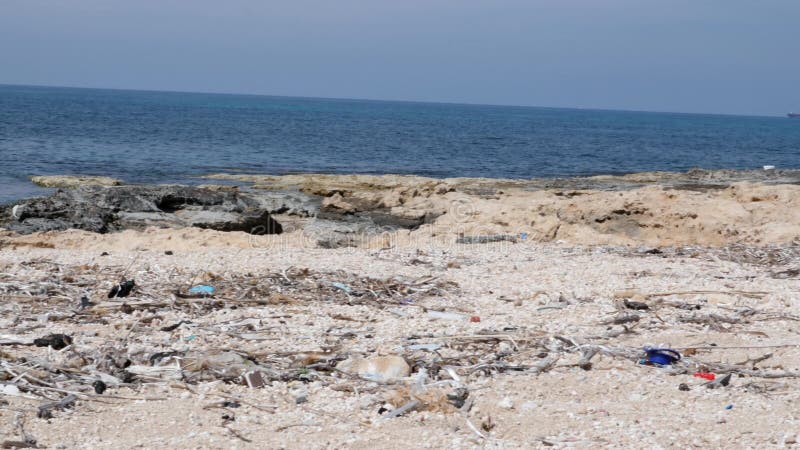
102, 209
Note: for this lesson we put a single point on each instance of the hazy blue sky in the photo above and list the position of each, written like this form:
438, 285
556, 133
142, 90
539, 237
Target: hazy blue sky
729, 56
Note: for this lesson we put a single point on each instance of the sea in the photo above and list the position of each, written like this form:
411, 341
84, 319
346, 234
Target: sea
176, 137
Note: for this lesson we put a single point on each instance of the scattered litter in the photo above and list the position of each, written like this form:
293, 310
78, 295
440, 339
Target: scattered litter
446, 315
342, 287
729, 407
661, 356
254, 379
523, 236
130, 351
705, 375
202, 289
721, 382
639, 306
57, 341
769, 167
123, 289
99, 387
16, 212
174, 326
9, 389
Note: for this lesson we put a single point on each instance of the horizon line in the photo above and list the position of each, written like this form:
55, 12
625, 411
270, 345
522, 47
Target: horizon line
574, 108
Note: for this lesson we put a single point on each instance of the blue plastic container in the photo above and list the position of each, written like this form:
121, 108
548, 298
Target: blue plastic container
662, 356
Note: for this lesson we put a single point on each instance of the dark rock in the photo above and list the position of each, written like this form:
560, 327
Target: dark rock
104, 209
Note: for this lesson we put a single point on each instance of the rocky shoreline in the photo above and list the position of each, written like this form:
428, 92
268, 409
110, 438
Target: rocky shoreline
705, 207
448, 313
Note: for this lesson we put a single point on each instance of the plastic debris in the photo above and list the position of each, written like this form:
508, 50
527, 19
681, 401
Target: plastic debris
683, 387
10, 389
123, 289
721, 382
342, 286
57, 341
661, 356
475, 319
202, 289
445, 315
705, 376
254, 379
729, 407
406, 301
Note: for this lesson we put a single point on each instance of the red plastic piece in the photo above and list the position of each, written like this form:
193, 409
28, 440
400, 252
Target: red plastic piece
704, 375
475, 319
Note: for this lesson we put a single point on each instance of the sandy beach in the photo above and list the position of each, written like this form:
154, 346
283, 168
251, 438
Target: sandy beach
498, 313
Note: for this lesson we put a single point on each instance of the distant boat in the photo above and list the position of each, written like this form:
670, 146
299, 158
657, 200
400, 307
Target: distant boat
794, 115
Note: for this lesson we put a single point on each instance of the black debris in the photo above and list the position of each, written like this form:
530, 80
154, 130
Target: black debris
639, 306
123, 289
57, 341
458, 397
156, 357
174, 326
99, 387
86, 303
719, 382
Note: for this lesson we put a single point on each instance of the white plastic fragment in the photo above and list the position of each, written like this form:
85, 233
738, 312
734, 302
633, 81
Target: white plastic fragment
446, 315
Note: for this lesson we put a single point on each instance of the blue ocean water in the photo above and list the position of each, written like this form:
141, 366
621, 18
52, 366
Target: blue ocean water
158, 137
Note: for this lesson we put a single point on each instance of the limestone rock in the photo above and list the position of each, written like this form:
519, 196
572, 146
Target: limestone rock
73, 181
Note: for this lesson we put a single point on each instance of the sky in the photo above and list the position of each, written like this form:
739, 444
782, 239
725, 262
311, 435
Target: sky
716, 56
